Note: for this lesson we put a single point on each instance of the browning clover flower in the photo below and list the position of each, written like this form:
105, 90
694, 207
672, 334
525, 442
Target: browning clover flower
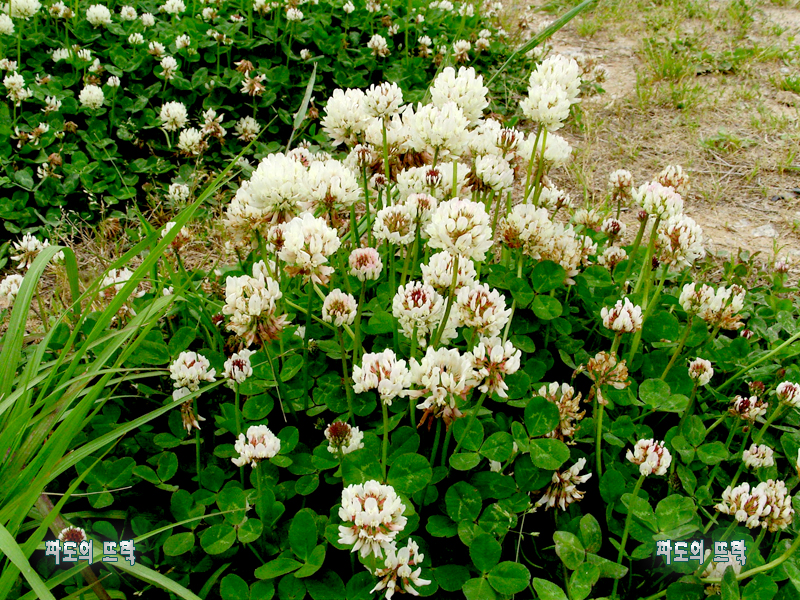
563, 489
612, 256
373, 516
604, 369
701, 371
748, 409
259, 444
766, 505
568, 403
651, 456
72, 534
398, 565
483, 309
382, 371
622, 317
492, 360
342, 437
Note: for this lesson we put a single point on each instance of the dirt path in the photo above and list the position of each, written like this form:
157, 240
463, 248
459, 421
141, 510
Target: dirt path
711, 86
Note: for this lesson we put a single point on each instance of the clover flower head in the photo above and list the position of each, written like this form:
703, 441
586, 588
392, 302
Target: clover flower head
309, 243
482, 309
381, 371
342, 436
701, 371
189, 369
651, 456
659, 201
72, 534
673, 176
563, 489
372, 516
339, 308
398, 570
97, 15
461, 227
365, 264
465, 88
383, 100
438, 273
9, 288
419, 308
624, 316
748, 408
258, 444
173, 116
238, 367
759, 456
788, 393
91, 96
492, 360
443, 374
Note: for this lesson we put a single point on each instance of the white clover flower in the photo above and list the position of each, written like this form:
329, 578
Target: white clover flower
623, 316
419, 306
17, 92
23, 9
372, 516
180, 239
483, 309
527, 227
701, 371
238, 367
52, 104
309, 243
156, 49
461, 50
275, 188
168, 65
492, 360
183, 41
766, 505
342, 437
494, 172
395, 225
345, 117
60, 54
563, 489
652, 457
378, 45
136, 39
113, 82
438, 129
339, 308
465, 89
620, 182
748, 408
72, 534
381, 371
397, 570
557, 151
331, 185
547, 104
9, 288
718, 308
365, 264
382, 101
658, 200
612, 256
305, 54
675, 177
27, 249
348, 7
788, 393
438, 273
759, 456
461, 227
173, 116
189, 369
258, 444
560, 70
6, 24
178, 192
251, 304
443, 374
716, 570
128, 13
679, 241
191, 141
247, 129
421, 207
294, 14
148, 20
173, 7
97, 15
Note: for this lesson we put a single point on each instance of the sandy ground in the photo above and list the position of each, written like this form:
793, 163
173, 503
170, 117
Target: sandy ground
722, 116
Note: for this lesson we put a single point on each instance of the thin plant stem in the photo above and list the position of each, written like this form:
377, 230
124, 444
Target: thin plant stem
279, 384
530, 164
238, 424
625, 531
472, 416
513, 301
647, 266
385, 447
679, 348
198, 464
305, 345
634, 250
436, 439
445, 444
767, 356
357, 323
449, 305
346, 378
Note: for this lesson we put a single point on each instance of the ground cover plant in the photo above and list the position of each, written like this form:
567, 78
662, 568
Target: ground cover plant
416, 366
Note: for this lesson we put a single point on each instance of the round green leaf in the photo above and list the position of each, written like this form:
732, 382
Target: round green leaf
509, 577
233, 587
546, 307
547, 590
712, 453
250, 531
473, 439
464, 461
541, 416
441, 526
329, 587
451, 577
547, 276
498, 446
478, 589
582, 581
654, 392
485, 552
463, 502
217, 538
179, 543
549, 454
303, 533
410, 473
276, 568
591, 534
569, 549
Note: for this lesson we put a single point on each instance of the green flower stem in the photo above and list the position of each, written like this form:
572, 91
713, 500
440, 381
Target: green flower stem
625, 531
436, 440
449, 305
407, 265
305, 345
259, 485
689, 407
537, 185
238, 424
717, 467
279, 383
386, 170
637, 337
198, 464
767, 567
357, 349
411, 402
354, 228
454, 191
445, 445
756, 440
600, 410
647, 266
767, 356
496, 210
514, 300
346, 378
393, 287
472, 416
366, 205
679, 348
385, 447
530, 165
634, 250
716, 423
